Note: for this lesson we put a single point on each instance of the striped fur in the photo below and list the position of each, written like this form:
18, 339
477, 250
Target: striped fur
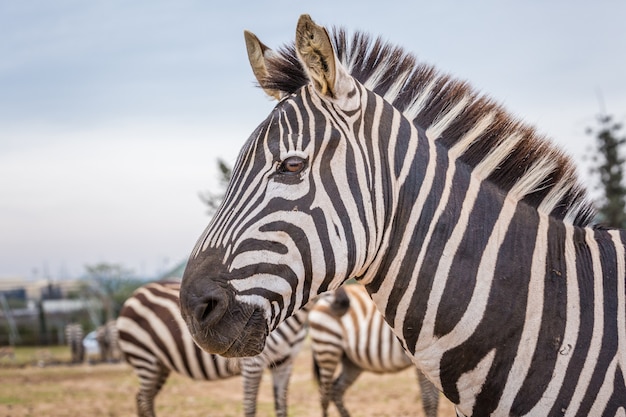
155, 342
348, 333
471, 125
74, 339
469, 230
108, 342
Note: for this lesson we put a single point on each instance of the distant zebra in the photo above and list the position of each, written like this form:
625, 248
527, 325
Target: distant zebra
108, 342
74, 339
155, 341
347, 330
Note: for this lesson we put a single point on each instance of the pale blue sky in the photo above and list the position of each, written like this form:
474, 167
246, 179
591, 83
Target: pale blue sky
112, 113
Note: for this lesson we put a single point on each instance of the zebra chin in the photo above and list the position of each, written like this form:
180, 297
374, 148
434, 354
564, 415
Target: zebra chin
232, 338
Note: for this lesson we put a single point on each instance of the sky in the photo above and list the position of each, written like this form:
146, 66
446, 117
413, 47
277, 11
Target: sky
114, 113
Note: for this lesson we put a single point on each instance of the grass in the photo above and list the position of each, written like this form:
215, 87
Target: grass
36, 355
108, 390
62, 390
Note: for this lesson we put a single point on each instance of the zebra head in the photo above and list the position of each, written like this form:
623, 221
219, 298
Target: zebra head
291, 225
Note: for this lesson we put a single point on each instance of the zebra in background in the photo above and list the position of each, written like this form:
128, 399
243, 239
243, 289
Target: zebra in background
108, 342
469, 230
155, 341
74, 339
346, 329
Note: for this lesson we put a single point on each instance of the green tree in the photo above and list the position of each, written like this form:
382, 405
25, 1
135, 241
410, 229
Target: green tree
608, 166
214, 199
112, 284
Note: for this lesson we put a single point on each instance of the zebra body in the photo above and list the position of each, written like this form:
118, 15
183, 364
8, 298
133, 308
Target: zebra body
155, 341
108, 342
468, 229
74, 338
348, 333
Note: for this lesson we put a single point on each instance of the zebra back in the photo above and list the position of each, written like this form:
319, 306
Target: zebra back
152, 332
347, 329
359, 329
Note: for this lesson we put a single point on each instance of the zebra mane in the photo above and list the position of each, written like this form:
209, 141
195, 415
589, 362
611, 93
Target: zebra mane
458, 117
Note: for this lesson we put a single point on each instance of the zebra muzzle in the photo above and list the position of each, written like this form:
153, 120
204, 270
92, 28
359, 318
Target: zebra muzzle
218, 323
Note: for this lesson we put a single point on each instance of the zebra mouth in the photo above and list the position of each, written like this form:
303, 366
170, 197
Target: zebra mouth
241, 332
251, 340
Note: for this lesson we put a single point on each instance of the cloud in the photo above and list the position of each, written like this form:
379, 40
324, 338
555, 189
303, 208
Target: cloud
113, 113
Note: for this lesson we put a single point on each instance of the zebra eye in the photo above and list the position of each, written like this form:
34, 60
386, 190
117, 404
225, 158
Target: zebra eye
292, 165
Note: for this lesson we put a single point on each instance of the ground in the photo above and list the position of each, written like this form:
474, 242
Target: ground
108, 390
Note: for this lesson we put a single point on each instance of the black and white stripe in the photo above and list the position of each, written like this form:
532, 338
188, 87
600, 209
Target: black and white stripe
349, 336
108, 342
74, 339
155, 341
470, 231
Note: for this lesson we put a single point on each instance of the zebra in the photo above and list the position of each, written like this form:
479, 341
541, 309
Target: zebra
346, 329
108, 342
469, 229
74, 339
155, 341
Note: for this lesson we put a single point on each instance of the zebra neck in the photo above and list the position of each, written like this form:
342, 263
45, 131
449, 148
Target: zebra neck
476, 283
448, 226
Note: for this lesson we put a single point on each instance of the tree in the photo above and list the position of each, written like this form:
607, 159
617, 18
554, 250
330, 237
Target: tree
608, 166
113, 284
211, 199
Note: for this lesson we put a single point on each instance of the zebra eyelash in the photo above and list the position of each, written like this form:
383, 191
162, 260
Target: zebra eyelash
287, 154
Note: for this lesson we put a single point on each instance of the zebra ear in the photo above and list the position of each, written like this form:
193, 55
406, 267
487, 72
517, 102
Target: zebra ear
257, 55
317, 55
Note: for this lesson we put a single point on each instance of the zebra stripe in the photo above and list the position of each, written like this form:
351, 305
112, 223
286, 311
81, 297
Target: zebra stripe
469, 230
74, 339
108, 342
155, 341
346, 329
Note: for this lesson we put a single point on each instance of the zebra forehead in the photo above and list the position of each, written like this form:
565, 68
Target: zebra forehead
450, 111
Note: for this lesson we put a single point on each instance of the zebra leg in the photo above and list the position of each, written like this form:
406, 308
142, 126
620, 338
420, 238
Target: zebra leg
349, 373
251, 371
74, 349
430, 395
81, 352
324, 372
150, 385
280, 382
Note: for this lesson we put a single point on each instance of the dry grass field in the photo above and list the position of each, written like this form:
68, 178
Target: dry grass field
108, 390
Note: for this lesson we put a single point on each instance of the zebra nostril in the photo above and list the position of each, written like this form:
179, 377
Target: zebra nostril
203, 303
209, 310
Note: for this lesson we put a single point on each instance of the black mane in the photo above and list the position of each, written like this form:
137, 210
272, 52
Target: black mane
424, 94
